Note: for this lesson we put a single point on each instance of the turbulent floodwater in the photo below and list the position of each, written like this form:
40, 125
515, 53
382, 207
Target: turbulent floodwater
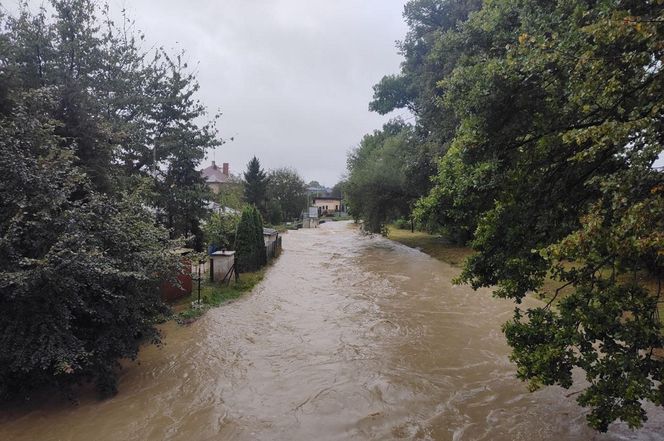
348, 338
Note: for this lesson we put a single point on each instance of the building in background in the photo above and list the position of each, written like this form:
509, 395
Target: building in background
328, 205
216, 177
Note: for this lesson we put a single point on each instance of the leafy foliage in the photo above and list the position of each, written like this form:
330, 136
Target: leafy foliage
220, 230
377, 188
338, 189
79, 271
548, 117
287, 194
98, 144
231, 194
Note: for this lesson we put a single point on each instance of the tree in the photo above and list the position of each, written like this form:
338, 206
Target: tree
274, 213
79, 270
259, 238
182, 194
377, 188
82, 255
220, 230
338, 189
287, 189
249, 242
231, 194
132, 120
255, 184
550, 117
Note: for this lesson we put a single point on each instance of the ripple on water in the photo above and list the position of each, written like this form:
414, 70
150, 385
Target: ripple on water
349, 337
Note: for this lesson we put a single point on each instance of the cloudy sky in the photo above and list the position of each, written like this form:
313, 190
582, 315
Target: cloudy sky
293, 78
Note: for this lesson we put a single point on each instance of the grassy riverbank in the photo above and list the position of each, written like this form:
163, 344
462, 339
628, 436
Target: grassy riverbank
438, 247
213, 295
433, 245
442, 249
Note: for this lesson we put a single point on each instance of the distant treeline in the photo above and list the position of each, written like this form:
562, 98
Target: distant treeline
535, 128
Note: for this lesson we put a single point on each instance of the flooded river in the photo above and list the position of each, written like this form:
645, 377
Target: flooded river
348, 338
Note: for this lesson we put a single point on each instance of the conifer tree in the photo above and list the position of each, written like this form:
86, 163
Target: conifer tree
249, 242
255, 184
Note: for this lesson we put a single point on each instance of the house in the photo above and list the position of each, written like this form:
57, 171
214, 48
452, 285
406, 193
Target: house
215, 177
328, 205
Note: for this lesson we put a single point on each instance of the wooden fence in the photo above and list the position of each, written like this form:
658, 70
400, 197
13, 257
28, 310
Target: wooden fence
273, 249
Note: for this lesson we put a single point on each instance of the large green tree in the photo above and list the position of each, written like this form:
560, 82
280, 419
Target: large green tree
81, 252
79, 271
181, 192
549, 117
288, 190
378, 188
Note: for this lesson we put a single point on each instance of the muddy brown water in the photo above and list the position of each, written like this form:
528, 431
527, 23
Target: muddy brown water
348, 338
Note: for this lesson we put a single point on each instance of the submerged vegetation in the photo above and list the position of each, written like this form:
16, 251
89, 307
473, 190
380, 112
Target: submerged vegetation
214, 295
435, 245
537, 126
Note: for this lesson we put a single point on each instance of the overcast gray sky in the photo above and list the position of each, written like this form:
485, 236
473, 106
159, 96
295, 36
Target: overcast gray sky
293, 78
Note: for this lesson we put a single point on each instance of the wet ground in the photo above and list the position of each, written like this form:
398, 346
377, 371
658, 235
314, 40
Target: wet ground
348, 338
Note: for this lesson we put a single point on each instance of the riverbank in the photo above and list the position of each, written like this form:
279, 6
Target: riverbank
434, 245
442, 249
212, 295
439, 248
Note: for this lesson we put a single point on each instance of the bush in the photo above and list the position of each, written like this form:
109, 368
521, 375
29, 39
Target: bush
402, 224
249, 242
220, 230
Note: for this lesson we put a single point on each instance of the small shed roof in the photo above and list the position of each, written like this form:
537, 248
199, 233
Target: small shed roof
223, 253
270, 232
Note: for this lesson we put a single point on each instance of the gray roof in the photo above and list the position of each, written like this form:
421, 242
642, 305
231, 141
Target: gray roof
214, 174
327, 197
270, 232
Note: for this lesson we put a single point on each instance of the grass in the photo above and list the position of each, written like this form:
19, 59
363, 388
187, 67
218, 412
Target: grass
433, 245
213, 295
